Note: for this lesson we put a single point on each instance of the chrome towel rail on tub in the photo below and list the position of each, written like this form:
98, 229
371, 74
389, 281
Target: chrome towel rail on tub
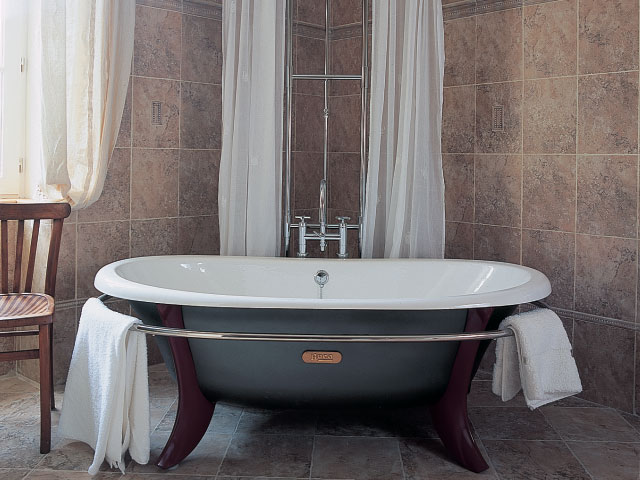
281, 337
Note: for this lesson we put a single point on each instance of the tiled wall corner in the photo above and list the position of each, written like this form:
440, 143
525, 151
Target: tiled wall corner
557, 189
344, 104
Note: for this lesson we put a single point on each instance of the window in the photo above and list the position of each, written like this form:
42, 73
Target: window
13, 83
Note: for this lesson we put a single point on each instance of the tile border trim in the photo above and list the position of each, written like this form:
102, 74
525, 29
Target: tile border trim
470, 8
590, 318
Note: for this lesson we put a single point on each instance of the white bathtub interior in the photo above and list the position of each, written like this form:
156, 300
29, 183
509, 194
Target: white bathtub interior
288, 283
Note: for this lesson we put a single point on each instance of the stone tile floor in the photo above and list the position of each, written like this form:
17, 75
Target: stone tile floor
573, 439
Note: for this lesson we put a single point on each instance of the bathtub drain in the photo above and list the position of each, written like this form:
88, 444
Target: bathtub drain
321, 278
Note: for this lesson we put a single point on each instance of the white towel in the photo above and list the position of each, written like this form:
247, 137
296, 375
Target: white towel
106, 399
537, 359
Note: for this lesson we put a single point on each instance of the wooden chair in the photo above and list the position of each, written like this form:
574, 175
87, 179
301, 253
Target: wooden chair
21, 308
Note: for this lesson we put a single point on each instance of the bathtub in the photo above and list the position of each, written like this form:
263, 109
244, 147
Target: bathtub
317, 332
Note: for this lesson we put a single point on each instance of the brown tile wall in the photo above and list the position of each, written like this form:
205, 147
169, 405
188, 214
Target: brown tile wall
557, 188
160, 195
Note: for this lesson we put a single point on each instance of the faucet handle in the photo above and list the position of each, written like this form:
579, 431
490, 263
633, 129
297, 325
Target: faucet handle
343, 219
302, 218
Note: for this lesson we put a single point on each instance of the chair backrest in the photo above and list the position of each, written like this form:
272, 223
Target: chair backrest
20, 212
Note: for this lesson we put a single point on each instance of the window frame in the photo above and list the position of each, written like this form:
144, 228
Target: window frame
13, 79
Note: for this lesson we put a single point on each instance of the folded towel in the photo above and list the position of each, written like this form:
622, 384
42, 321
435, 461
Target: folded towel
537, 358
106, 399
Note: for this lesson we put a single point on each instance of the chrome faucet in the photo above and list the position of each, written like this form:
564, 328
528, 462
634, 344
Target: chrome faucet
322, 235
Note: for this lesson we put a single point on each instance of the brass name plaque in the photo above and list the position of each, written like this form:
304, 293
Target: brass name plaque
321, 357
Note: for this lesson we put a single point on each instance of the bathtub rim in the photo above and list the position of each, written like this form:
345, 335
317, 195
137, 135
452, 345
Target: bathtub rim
109, 281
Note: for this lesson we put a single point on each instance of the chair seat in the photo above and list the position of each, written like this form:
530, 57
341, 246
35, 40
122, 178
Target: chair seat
15, 306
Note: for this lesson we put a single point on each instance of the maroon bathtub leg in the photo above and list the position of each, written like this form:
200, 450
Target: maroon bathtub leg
449, 414
194, 410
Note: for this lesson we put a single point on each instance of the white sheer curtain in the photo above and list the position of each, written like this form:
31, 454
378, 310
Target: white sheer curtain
404, 209
78, 71
250, 182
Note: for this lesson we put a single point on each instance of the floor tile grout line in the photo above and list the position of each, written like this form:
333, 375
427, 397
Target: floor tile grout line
497, 474
564, 441
488, 458
231, 438
404, 473
155, 429
313, 450
313, 444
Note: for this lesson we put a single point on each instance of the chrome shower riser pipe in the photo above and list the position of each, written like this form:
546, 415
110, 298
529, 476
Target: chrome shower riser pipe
289, 67
326, 77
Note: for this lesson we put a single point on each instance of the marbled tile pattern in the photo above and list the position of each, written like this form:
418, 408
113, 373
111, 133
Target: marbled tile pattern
200, 35
508, 96
549, 192
198, 235
499, 48
553, 253
608, 36
154, 183
498, 189
565, 73
346, 12
154, 237
102, 243
549, 118
608, 113
344, 130
124, 134
606, 372
310, 11
550, 39
458, 120
460, 51
308, 123
159, 130
607, 195
582, 441
459, 186
199, 171
606, 276
307, 174
201, 122
500, 244
308, 57
115, 200
344, 173
459, 240
66, 276
157, 45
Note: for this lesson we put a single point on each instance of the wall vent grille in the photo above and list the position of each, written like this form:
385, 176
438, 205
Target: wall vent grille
156, 113
498, 118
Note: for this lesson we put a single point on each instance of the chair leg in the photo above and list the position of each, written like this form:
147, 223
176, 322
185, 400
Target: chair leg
45, 387
53, 398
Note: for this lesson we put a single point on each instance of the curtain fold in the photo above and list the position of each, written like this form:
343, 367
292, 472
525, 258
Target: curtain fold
250, 182
404, 208
79, 65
